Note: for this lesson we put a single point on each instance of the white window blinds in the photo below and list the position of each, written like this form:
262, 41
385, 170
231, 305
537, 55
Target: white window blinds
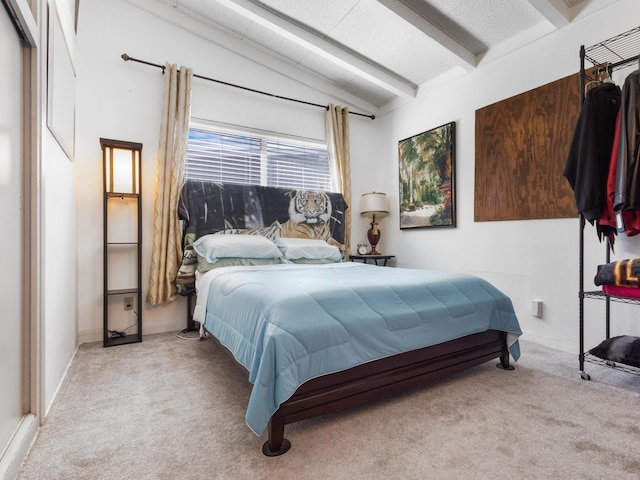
256, 158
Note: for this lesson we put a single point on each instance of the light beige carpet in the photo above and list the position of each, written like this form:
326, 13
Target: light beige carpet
169, 408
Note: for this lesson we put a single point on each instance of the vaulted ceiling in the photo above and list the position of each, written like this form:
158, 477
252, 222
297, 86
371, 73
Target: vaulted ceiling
375, 54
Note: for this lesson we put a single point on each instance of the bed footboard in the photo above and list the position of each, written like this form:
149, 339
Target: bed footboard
384, 377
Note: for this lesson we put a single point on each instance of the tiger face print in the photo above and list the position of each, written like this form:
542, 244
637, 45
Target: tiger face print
310, 207
309, 215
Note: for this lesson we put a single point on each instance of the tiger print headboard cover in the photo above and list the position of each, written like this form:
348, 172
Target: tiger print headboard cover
210, 207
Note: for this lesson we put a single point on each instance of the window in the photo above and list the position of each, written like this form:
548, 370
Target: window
223, 154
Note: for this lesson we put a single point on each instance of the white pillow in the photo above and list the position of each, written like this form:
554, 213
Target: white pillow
297, 248
212, 247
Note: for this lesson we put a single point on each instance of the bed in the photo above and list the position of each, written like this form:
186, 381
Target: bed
316, 334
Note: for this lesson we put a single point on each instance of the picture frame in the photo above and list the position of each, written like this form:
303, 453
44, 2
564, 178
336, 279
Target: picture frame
61, 82
426, 164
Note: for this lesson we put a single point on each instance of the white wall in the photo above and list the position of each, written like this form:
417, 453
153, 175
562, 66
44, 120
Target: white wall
534, 259
122, 100
58, 202
59, 265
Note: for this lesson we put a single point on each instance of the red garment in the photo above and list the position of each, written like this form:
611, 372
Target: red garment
628, 174
631, 218
619, 291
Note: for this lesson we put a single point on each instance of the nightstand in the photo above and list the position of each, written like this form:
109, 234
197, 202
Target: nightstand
373, 258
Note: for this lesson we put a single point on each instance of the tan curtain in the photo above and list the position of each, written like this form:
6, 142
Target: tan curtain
166, 253
337, 133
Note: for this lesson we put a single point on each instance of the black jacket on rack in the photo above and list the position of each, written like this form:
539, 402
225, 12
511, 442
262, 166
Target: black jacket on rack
587, 165
628, 170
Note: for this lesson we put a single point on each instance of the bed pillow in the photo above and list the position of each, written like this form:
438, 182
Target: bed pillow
204, 266
306, 248
212, 247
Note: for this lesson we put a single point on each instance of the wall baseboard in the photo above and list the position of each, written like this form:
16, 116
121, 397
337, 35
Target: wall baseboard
91, 336
551, 343
19, 447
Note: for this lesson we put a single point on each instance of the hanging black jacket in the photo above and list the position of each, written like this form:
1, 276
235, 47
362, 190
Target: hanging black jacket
628, 170
587, 165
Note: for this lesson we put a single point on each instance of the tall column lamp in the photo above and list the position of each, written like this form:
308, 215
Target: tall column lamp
374, 205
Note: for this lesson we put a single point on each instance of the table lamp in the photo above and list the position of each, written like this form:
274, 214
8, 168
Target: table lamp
371, 205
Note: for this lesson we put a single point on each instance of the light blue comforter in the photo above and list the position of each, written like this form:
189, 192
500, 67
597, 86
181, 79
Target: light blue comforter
289, 323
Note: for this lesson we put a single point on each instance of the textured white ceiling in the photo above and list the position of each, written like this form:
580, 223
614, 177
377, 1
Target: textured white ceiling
479, 25
375, 53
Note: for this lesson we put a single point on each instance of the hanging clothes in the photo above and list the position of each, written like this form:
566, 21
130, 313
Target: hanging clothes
587, 164
627, 194
609, 222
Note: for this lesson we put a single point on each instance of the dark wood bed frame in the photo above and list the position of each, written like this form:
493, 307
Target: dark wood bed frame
378, 379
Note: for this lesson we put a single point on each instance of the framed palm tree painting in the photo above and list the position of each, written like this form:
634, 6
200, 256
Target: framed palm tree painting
427, 178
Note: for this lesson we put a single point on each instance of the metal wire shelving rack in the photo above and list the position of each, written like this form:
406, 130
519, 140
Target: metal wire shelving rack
607, 56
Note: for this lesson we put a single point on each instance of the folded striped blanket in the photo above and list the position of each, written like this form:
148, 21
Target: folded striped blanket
625, 273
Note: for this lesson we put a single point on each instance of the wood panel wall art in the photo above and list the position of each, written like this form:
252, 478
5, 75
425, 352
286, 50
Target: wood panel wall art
521, 146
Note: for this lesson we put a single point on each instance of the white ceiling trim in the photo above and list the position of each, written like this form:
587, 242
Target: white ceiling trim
458, 54
557, 13
197, 27
515, 43
441, 80
321, 47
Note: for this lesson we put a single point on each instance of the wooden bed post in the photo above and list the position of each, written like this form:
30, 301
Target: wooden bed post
504, 358
191, 305
277, 444
504, 363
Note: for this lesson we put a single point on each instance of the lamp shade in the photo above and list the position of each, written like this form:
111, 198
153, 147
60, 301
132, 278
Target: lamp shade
374, 204
121, 166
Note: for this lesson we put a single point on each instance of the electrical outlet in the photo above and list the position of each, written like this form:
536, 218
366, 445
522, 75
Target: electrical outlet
536, 308
128, 303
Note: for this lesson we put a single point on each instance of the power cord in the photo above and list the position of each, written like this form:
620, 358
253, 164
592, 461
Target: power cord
122, 333
193, 335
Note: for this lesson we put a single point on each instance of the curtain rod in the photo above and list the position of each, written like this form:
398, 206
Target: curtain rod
127, 58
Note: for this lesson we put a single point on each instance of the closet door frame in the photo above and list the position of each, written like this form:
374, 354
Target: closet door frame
27, 17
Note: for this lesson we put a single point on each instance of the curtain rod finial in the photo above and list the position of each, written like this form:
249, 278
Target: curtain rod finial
125, 57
